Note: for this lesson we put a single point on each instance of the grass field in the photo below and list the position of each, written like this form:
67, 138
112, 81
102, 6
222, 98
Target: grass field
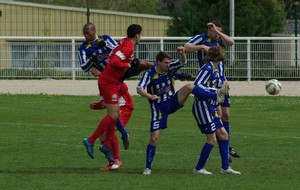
41, 146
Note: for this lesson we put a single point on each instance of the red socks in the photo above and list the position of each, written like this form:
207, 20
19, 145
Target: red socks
106, 124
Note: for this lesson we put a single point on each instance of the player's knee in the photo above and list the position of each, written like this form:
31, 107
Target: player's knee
153, 141
211, 140
222, 134
189, 87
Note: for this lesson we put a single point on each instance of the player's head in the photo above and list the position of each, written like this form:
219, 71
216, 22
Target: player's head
214, 54
89, 32
163, 61
134, 32
211, 33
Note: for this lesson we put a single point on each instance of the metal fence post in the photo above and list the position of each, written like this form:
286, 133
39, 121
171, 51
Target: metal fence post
73, 60
161, 44
248, 60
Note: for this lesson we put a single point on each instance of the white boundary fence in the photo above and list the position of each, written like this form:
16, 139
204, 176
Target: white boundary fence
251, 58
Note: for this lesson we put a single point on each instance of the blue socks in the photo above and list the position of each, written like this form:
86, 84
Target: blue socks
121, 128
150, 153
206, 150
224, 152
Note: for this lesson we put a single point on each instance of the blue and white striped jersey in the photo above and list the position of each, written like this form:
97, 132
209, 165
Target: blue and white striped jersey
160, 84
204, 110
87, 50
222, 77
207, 76
203, 39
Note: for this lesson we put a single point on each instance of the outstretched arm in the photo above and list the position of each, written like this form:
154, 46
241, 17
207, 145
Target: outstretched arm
192, 48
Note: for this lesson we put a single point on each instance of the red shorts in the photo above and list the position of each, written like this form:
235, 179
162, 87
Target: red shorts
110, 93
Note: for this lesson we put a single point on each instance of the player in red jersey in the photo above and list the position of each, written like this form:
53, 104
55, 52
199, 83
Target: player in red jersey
110, 85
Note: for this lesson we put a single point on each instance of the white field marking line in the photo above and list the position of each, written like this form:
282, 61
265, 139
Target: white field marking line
263, 135
131, 151
34, 124
244, 135
169, 133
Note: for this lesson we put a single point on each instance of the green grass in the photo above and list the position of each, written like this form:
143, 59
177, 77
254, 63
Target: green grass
41, 146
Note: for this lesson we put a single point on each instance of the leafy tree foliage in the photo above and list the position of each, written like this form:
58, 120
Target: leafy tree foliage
252, 18
292, 7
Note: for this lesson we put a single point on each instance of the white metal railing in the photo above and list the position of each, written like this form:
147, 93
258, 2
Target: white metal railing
251, 58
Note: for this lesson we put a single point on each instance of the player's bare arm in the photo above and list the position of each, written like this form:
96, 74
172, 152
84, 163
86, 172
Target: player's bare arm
182, 55
192, 48
227, 39
145, 94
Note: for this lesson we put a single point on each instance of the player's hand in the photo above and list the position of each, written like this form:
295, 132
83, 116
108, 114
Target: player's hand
97, 105
94, 58
205, 48
153, 97
134, 63
211, 26
180, 49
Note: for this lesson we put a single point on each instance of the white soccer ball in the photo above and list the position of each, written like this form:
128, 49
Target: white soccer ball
273, 87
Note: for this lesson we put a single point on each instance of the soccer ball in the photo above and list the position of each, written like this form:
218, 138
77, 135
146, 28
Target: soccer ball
273, 87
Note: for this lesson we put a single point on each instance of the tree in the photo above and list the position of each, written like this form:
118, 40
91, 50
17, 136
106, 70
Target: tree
252, 18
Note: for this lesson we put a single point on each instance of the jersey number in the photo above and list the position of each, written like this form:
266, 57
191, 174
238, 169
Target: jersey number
156, 125
213, 127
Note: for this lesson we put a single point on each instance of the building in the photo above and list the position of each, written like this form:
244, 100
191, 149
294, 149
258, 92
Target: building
30, 19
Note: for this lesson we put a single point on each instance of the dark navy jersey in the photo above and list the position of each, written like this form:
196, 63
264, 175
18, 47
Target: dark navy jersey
203, 39
160, 84
96, 49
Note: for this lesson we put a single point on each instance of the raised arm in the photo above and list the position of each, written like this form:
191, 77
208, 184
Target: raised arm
227, 39
182, 54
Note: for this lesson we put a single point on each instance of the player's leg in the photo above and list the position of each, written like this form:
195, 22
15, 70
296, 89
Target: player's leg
225, 115
223, 142
150, 151
158, 123
108, 123
201, 114
110, 120
200, 93
89, 142
204, 154
222, 136
125, 115
126, 107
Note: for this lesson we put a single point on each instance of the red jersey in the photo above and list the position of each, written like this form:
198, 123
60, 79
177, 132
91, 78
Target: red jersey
118, 62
